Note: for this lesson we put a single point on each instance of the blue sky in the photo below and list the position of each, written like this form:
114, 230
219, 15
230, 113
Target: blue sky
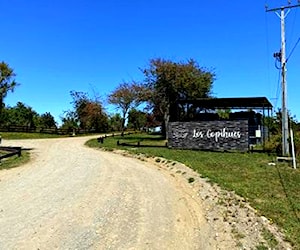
56, 46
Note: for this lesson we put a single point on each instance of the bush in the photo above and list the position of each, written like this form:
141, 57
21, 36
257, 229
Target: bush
297, 143
274, 145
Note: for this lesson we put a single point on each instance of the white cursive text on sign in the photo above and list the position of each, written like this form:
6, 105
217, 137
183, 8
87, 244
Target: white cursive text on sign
216, 135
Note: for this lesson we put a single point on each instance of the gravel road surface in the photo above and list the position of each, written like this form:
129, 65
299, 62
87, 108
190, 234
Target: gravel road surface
74, 197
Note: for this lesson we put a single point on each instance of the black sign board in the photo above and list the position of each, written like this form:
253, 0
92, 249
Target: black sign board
209, 135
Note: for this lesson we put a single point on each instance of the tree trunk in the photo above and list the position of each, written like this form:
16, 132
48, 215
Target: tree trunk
123, 125
165, 126
1, 108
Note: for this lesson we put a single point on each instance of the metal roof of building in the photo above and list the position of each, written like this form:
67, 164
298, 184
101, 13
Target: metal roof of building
232, 103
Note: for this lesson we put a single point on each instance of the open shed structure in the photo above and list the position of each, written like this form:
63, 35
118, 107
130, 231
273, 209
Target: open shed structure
238, 103
219, 123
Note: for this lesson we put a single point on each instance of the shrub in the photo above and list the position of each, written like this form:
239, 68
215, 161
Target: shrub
297, 143
274, 145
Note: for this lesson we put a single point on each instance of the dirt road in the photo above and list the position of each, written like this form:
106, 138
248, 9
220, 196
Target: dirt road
70, 196
73, 197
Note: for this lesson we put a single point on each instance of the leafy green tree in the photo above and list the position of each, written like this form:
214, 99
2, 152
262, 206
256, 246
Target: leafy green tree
46, 120
21, 115
7, 82
274, 124
137, 119
69, 121
80, 100
125, 97
168, 82
115, 122
224, 113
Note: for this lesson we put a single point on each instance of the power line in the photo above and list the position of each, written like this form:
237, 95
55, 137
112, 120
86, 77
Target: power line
293, 49
293, 26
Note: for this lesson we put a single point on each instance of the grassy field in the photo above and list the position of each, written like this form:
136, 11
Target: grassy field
273, 190
17, 135
16, 161
20, 135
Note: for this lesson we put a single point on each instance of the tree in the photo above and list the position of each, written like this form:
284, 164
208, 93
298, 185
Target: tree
125, 97
168, 82
21, 115
24, 115
88, 113
94, 117
274, 124
80, 100
46, 120
224, 113
7, 82
115, 122
69, 120
137, 119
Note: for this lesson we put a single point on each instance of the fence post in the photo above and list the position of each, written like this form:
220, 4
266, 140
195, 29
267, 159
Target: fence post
19, 152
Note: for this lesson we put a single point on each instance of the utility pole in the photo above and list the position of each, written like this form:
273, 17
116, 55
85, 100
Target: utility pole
282, 56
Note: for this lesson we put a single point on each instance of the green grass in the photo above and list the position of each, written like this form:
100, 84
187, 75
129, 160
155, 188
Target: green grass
14, 161
132, 139
273, 190
24, 135
19, 135
270, 239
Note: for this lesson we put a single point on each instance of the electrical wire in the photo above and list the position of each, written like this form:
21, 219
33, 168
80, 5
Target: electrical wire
293, 25
293, 50
292, 34
276, 63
